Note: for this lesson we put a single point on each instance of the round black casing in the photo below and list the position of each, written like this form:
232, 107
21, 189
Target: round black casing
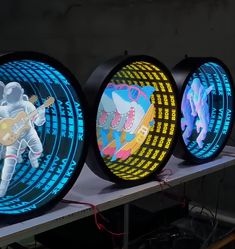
94, 89
182, 74
63, 135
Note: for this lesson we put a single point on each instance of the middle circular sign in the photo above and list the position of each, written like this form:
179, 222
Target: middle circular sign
133, 118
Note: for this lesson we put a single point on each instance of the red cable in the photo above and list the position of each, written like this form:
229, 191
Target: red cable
163, 182
99, 225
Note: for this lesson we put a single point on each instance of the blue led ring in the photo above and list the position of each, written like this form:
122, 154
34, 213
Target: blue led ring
33, 190
207, 108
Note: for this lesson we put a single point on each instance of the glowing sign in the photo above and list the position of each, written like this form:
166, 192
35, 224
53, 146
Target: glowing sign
136, 119
126, 112
207, 110
41, 132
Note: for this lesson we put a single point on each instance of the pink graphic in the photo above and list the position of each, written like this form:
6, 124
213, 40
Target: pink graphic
128, 110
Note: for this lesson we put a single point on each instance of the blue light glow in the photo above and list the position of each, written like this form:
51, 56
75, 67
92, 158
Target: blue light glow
206, 110
61, 136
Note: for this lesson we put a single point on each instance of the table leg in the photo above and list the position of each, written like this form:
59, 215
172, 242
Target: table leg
126, 226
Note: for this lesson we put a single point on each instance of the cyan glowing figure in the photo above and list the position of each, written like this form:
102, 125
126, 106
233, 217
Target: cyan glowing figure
195, 100
14, 103
188, 120
127, 106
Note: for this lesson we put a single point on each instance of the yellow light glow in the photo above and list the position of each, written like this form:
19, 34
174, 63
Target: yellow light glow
151, 144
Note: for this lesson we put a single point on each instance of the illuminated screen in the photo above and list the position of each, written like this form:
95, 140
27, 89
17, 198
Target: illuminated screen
206, 110
41, 135
136, 120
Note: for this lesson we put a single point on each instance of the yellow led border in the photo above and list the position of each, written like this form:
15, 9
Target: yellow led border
152, 152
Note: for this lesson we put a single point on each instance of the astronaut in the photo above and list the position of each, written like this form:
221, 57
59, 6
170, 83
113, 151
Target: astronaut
2, 85
2, 148
200, 108
23, 144
13, 96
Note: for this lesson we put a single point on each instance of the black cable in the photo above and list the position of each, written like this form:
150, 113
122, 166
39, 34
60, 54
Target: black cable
209, 214
206, 242
214, 216
203, 207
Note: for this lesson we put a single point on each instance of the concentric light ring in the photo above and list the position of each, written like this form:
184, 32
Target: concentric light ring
133, 119
63, 137
207, 108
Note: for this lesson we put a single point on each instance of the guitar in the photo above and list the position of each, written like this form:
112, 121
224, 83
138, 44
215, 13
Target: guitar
33, 99
12, 128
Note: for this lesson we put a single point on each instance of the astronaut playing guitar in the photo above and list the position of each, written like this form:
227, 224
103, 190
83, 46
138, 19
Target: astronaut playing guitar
18, 116
12, 128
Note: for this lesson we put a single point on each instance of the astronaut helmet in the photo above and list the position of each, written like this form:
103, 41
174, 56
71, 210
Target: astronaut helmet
13, 93
2, 86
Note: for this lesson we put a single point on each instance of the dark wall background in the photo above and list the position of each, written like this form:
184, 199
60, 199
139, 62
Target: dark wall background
84, 33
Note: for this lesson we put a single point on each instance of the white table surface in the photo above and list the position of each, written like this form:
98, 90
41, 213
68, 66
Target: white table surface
92, 189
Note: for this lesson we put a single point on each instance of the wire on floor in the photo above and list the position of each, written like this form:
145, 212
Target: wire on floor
97, 214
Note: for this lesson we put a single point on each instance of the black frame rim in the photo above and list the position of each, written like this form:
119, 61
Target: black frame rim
21, 55
109, 68
187, 67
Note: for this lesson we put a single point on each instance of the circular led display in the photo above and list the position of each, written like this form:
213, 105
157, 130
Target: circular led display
133, 118
42, 132
206, 107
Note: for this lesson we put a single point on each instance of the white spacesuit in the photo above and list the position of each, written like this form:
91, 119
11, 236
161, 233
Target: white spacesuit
15, 103
2, 148
23, 144
2, 85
